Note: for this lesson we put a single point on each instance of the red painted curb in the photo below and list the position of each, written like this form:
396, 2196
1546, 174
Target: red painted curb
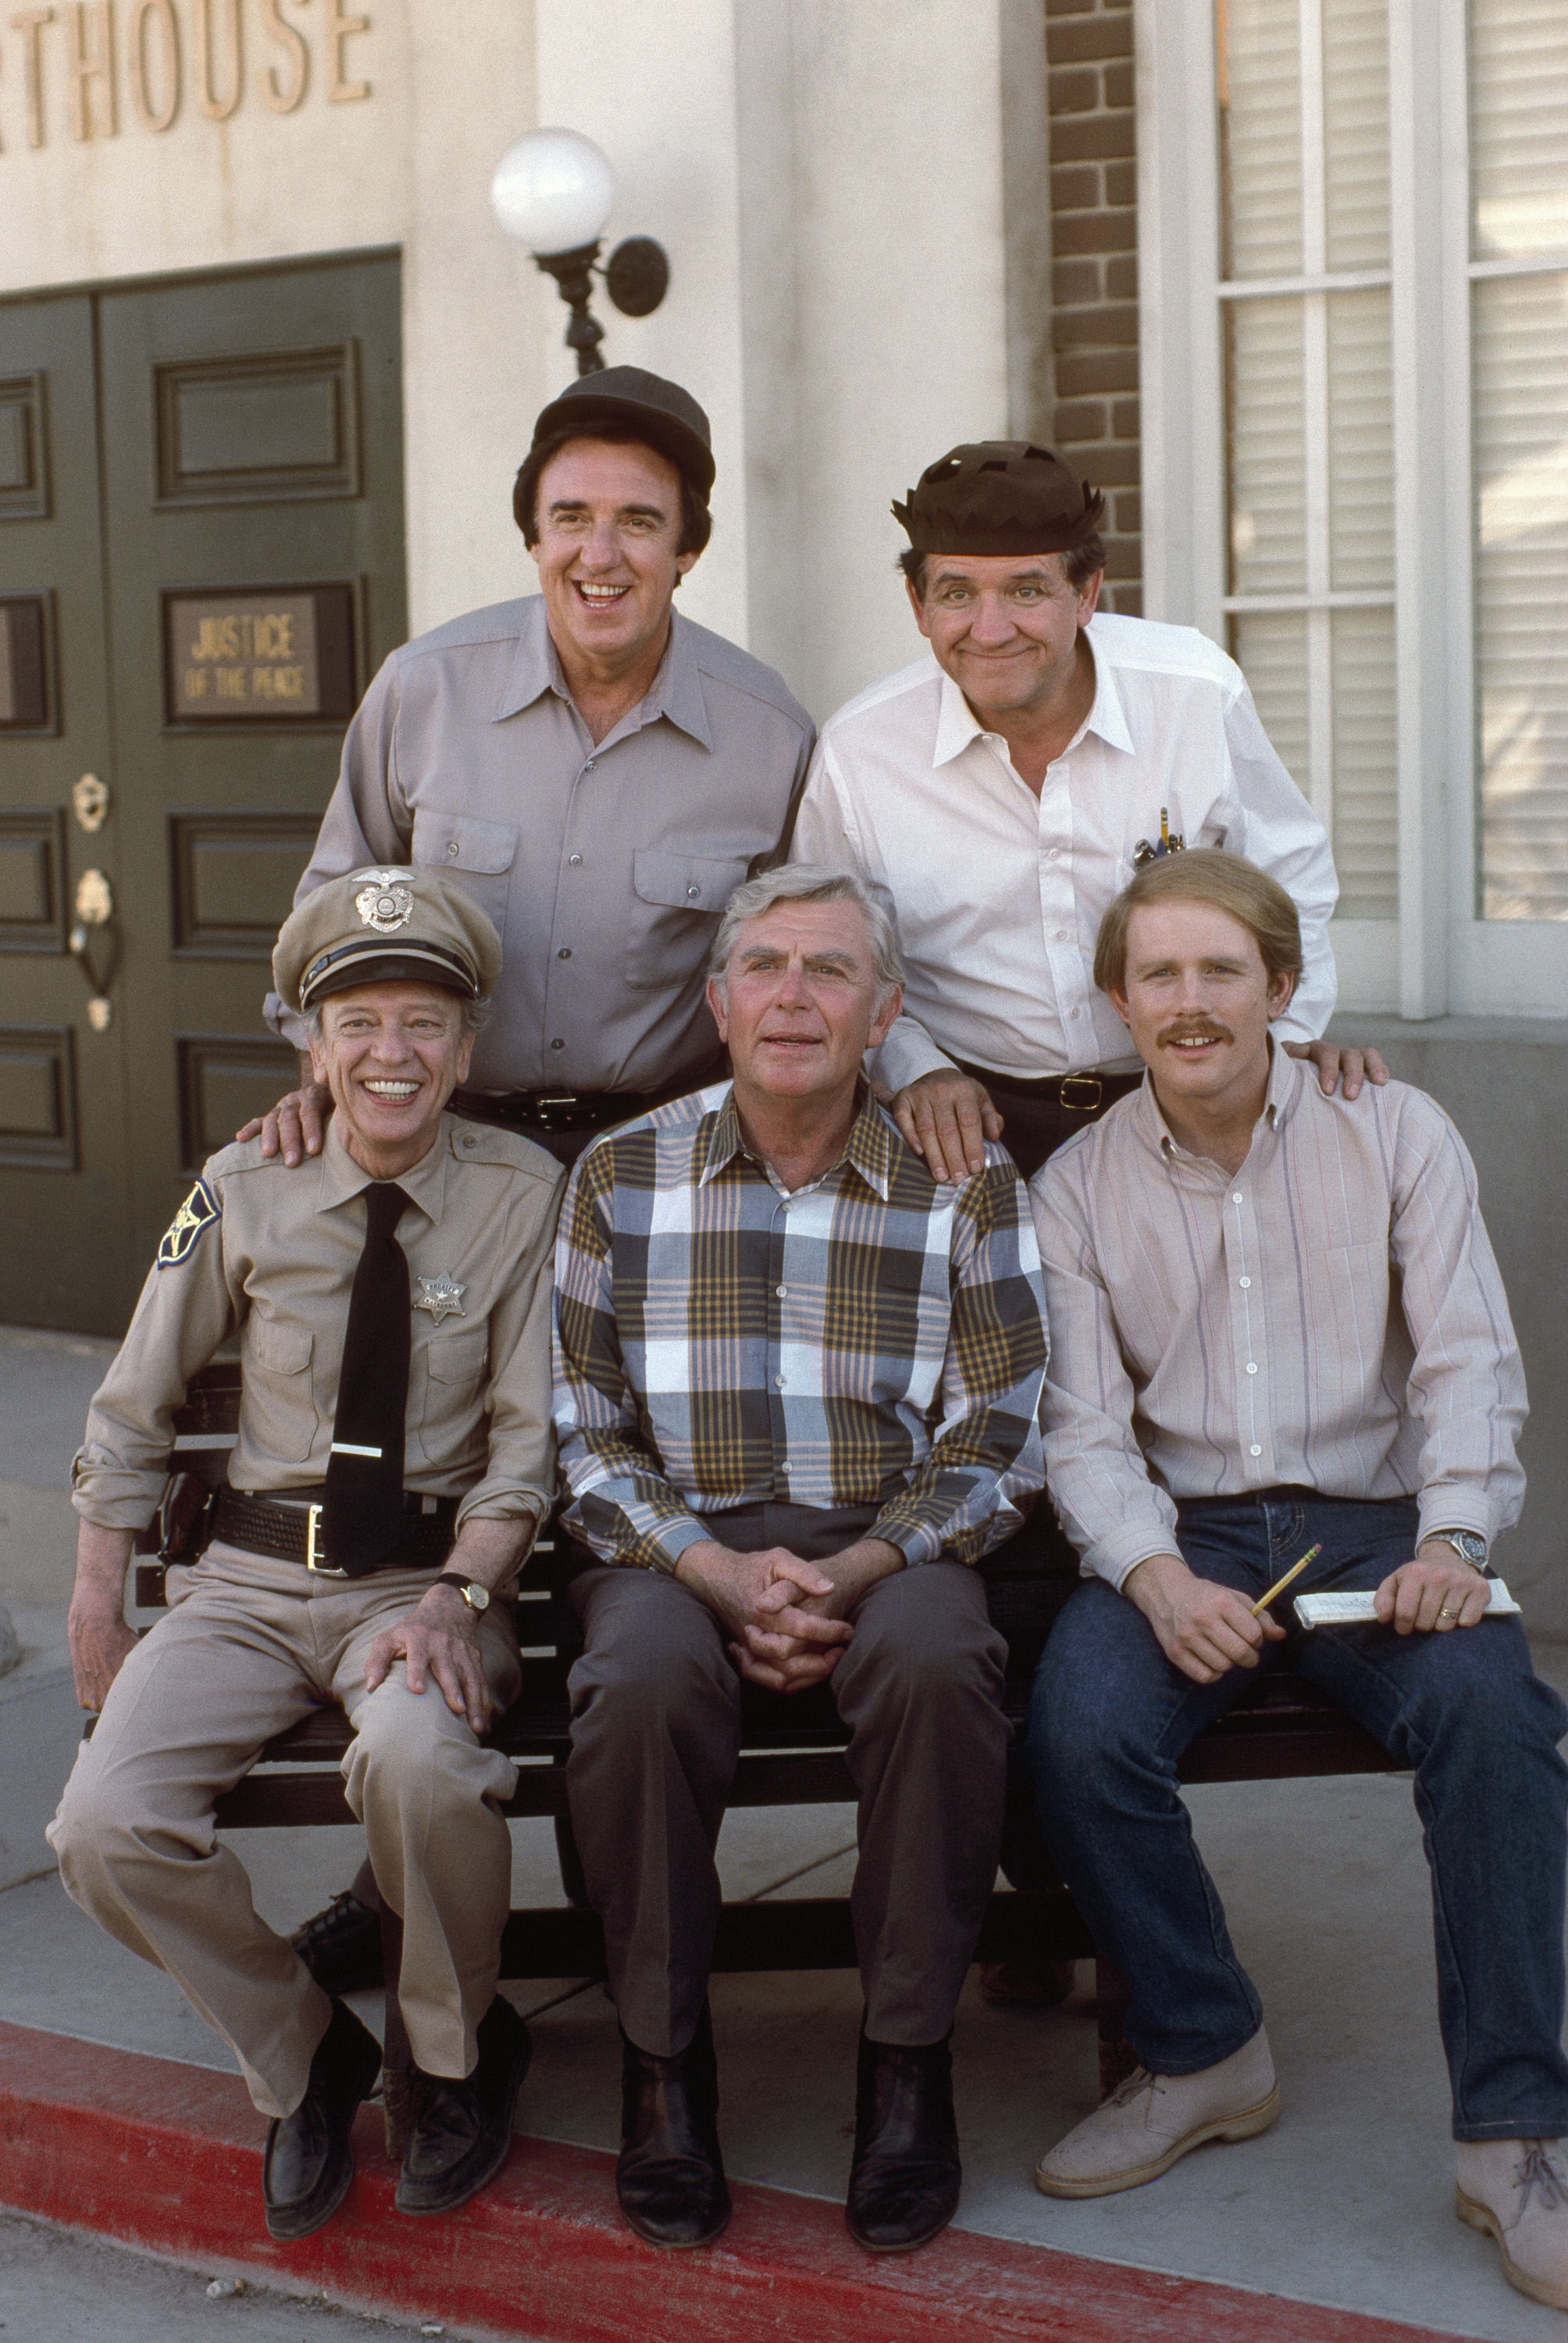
168, 2159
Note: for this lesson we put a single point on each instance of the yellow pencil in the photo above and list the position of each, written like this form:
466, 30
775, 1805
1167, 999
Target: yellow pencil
1279, 1585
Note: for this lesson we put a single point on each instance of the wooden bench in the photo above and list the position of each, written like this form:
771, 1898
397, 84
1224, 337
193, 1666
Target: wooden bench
792, 1754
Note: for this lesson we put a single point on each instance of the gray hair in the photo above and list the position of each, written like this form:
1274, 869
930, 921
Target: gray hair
476, 1014
809, 882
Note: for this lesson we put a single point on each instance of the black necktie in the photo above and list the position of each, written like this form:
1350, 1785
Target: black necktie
362, 1518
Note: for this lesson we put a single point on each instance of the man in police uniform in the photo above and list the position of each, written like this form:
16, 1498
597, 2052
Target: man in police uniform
392, 1305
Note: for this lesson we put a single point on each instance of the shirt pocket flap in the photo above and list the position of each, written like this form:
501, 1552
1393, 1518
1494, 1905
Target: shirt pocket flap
686, 882
460, 841
284, 1349
456, 1358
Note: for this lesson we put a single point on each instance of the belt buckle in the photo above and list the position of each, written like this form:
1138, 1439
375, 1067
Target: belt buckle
317, 1569
545, 1106
1090, 1082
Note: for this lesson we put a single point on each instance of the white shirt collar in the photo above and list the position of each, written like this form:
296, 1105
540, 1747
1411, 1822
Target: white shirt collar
957, 725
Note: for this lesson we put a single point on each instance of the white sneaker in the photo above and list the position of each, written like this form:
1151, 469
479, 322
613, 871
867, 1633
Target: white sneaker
1516, 2190
1151, 2120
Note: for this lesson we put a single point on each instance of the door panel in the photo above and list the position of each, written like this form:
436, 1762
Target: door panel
247, 537
64, 1207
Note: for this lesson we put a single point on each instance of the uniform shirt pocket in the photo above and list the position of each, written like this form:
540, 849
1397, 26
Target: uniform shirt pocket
451, 1417
478, 854
678, 900
280, 1416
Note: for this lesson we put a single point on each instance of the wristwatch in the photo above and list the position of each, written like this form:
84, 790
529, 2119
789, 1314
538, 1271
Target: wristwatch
475, 1596
1465, 1543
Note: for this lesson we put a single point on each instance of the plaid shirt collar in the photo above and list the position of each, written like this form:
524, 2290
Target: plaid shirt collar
868, 1148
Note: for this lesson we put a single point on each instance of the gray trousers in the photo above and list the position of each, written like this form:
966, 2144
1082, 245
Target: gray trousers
656, 1740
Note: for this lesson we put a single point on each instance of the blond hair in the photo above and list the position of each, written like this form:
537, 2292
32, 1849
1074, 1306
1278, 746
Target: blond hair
1205, 875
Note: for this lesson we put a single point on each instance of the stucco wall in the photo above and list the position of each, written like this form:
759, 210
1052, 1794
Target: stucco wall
408, 163
826, 174
1505, 1083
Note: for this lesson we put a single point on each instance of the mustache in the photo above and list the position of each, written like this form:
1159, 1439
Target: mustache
1188, 1030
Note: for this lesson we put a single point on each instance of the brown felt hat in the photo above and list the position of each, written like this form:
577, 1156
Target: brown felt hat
999, 496
382, 925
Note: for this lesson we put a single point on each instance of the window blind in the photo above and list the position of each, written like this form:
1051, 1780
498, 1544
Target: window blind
1519, 405
1304, 155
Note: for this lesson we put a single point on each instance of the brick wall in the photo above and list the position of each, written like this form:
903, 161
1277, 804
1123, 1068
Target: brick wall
1094, 265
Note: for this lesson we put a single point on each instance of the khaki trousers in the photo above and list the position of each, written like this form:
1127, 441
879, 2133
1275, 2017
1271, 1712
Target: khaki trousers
656, 1740
248, 1648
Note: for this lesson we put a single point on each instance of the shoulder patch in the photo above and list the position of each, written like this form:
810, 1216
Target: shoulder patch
197, 1212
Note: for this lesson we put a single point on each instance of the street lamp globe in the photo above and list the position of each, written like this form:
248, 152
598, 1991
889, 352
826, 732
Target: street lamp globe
553, 191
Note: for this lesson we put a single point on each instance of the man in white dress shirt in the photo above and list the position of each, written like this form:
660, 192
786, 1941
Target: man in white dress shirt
1000, 792
1278, 1332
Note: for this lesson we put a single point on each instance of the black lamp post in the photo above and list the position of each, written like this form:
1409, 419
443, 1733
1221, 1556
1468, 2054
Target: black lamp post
553, 191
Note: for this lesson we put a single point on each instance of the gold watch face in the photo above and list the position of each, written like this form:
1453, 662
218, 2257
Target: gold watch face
477, 1598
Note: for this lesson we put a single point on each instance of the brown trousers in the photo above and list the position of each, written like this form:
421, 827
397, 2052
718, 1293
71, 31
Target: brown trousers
248, 1648
656, 1740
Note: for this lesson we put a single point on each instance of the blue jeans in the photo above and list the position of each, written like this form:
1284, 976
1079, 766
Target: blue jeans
1110, 1717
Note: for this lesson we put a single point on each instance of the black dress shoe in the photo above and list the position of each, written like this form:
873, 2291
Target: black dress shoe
904, 2182
463, 2129
341, 1946
670, 2174
309, 2160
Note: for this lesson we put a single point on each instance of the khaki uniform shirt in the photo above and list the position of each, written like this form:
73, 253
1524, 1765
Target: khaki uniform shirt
605, 868
272, 1256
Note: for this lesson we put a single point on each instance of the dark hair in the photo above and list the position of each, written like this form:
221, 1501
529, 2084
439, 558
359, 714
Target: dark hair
696, 521
1079, 562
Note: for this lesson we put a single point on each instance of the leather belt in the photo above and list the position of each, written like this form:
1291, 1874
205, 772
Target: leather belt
1080, 1093
292, 1532
560, 1110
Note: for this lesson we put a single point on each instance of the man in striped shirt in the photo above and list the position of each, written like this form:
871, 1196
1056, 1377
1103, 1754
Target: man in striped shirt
1278, 1327
796, 1391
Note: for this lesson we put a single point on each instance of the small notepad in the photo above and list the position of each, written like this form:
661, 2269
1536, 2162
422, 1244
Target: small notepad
1358, 1609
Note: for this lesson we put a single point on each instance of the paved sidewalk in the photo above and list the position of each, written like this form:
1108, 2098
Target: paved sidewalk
1347, 2202
59, 2287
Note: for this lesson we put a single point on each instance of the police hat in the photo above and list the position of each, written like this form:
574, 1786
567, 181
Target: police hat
999, 496
659, 412
380, 925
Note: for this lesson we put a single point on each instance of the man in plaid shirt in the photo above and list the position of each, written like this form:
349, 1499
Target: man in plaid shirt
797, 1385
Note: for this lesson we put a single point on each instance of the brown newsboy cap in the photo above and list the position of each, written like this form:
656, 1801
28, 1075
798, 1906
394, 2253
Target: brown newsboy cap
381, 925
999, 496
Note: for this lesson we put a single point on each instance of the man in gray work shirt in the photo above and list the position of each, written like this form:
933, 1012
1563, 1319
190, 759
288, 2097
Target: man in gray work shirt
598, 772
601, 774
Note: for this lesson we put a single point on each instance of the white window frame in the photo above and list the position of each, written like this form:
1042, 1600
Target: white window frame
1439, 958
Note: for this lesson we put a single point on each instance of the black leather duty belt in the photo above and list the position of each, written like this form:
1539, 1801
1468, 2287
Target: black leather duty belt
1080, 1093
292, 1532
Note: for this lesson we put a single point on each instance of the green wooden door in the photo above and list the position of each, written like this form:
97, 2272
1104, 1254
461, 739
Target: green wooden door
219, 566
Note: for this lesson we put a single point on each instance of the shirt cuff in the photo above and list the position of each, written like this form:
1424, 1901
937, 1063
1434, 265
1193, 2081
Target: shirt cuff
1445, 1508
1116, 1557
288, 1023
908, 1053
671, 1539
108, 1508
502, 1501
